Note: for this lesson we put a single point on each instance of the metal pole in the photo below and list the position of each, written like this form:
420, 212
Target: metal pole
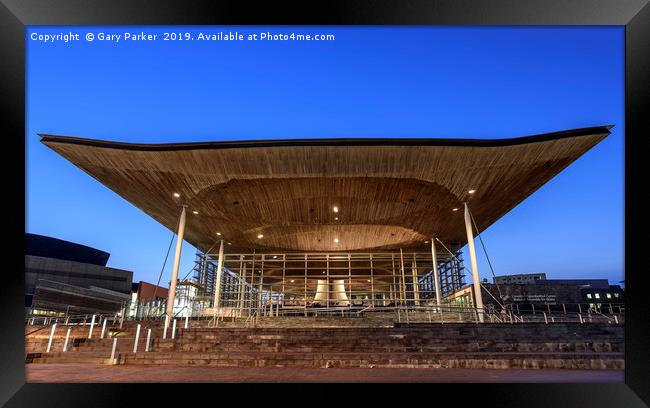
173, 329
166, 326
103, 329
177, 261
147, 344
92, 325
137, 337
67, 336
436, 280
113, 349
217, 284
415, 283
472, 256
49, 343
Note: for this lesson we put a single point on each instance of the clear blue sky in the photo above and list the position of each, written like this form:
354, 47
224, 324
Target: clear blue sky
490, 82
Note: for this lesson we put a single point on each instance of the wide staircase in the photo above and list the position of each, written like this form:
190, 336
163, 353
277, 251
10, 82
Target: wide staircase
280, 343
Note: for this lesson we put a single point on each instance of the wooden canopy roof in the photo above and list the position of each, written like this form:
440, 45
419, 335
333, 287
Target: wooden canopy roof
390, 193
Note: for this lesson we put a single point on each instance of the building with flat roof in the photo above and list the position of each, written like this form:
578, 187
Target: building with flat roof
519, 279
327, 223
65, 277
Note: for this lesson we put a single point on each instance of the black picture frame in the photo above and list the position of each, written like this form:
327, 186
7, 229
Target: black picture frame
15, 15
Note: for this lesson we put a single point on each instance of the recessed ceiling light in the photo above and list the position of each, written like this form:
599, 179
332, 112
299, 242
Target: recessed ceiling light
426, 242
218, 233
229, 243
176, 195
455, 209
323, 272
336, 240
195, 212
260, 236
472, 191
336, 218
292, 281
335, 209
368, 280
275, 256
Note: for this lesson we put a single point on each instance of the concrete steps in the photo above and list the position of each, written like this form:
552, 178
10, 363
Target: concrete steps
460, 345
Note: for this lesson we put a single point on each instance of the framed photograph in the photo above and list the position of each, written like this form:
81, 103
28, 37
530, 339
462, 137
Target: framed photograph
418, 192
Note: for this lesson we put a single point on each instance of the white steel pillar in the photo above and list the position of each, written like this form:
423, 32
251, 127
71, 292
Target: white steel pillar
472, 257
217, 283
177, 261
436, 280
415, 283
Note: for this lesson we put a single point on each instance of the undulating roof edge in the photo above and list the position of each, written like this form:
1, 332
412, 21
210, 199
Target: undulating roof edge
589, 131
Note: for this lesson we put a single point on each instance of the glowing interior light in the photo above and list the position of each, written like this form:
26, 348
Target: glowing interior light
336, 240
335, 209
218, 233
292, 281
455, 209
472, 191
176, 195
260, 236
195, 212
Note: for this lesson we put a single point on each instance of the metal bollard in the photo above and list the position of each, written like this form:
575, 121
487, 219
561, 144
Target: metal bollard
166, 326
67, 336
187, 319
137, 337
49, 343
103, 329
113, 350
174, 329
92, 325
545, 318
147, 344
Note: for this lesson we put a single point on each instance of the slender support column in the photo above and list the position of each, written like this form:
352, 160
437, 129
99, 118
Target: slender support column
217, 283
436, 280
472, 257
415, 282
403, 281
177, 262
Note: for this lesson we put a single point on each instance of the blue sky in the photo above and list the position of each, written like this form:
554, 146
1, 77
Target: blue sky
458, 82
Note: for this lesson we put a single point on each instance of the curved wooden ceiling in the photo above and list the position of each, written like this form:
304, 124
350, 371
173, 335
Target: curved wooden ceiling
391, 193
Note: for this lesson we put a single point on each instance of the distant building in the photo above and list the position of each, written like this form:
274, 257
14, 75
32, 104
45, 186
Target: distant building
564, 294
520, 279
147, 300
65, 277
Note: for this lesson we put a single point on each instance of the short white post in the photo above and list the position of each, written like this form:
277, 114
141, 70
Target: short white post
580, 317
32, 321
174, 329
92, 325
166, 326
65, 343
49, 343
187, 320
545, 318
137, 337
113, 350
146, 346
103, 329
616, 319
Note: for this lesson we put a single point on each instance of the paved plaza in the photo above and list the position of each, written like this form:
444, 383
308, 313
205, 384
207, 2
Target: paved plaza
85, 373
